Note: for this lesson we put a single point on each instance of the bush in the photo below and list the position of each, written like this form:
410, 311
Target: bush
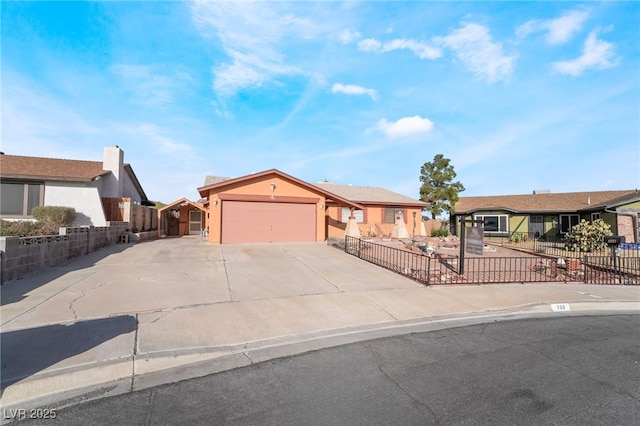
587, 236
442, 232
54, 215
26, 228
517, 237
19, 228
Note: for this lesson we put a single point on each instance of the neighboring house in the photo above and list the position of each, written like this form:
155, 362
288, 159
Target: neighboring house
548, 215
86, 186
271, 206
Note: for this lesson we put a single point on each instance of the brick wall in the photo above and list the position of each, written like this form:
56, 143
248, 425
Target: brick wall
625, 227
23, 255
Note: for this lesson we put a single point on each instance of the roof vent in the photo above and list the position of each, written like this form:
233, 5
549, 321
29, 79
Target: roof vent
541, 191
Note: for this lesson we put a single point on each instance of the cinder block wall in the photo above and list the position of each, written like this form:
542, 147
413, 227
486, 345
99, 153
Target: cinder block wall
23, 255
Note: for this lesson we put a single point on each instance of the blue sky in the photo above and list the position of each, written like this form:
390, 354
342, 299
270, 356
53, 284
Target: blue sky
520, 96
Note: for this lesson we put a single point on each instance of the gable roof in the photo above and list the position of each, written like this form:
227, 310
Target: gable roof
22, 167
182, 201
546, 202
370, 195
204, 190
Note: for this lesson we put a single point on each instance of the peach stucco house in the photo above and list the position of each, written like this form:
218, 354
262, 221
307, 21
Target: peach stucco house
272, 206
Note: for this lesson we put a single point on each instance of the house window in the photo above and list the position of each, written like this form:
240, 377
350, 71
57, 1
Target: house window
390, 214
346, 212
19, 199
568, 221
595, 216
494, 222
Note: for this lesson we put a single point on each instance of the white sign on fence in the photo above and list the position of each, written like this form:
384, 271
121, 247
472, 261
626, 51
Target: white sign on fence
475, 242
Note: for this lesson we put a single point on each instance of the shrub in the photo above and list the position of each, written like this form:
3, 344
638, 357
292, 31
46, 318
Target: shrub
517, 237
26, 228
587, 236
442, 232
54, 215
19, 228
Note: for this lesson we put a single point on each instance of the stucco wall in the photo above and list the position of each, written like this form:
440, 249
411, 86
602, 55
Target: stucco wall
129, 190
373, 224
261, 186
85, 199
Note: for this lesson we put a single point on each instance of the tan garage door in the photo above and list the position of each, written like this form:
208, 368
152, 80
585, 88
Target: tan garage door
259, 222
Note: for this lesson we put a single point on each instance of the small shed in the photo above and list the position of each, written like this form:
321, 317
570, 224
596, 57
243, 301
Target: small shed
182, 217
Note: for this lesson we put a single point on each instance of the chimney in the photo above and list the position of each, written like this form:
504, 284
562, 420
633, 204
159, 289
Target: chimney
113, 160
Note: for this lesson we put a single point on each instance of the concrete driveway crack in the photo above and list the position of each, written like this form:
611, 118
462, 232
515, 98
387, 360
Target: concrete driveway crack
314, 271
226, 275
82, 295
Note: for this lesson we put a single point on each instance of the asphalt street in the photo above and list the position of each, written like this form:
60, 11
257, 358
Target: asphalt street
563, 371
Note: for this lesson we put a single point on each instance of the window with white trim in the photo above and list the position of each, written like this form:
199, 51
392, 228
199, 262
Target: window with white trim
595, 216
494, 222
358, 214
19, 198
568, 221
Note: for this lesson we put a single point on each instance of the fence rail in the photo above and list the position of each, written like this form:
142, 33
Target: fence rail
552, 246
441, 269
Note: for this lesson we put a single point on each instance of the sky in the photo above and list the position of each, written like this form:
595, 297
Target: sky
520, 96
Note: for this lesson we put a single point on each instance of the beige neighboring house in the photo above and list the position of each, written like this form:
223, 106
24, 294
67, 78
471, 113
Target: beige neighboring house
93, 188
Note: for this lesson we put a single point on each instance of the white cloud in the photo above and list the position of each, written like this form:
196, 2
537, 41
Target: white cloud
484, 58
350, 89
421, 50
347, 36
405, 126
151, 87
250, 33
559, 30
596, 54
155, 135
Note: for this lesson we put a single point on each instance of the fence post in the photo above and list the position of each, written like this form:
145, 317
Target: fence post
585, 269
359, 248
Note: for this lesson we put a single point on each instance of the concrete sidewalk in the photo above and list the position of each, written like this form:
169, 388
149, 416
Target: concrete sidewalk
120, 320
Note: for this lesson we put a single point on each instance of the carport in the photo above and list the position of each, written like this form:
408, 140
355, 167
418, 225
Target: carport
182, 217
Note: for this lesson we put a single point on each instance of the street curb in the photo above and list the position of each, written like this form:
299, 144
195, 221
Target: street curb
78, 384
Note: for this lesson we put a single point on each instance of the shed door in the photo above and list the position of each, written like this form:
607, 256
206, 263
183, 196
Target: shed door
195, 222
260, 222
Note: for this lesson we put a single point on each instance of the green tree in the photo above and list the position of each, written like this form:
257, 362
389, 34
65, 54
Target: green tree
438, 188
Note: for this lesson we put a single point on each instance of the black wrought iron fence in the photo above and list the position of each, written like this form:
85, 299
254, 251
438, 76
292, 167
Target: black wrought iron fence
444, 269
553, 245
407, 263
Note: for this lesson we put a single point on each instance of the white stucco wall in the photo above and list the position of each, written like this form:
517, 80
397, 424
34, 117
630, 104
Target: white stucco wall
85, 199
129, 190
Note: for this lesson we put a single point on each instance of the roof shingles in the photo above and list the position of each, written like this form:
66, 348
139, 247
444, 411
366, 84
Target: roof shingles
21, 167
367, 194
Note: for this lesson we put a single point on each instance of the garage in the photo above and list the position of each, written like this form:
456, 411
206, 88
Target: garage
264, 222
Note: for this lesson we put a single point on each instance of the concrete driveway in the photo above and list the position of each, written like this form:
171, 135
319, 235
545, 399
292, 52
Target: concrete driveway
132, 316
184, 273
